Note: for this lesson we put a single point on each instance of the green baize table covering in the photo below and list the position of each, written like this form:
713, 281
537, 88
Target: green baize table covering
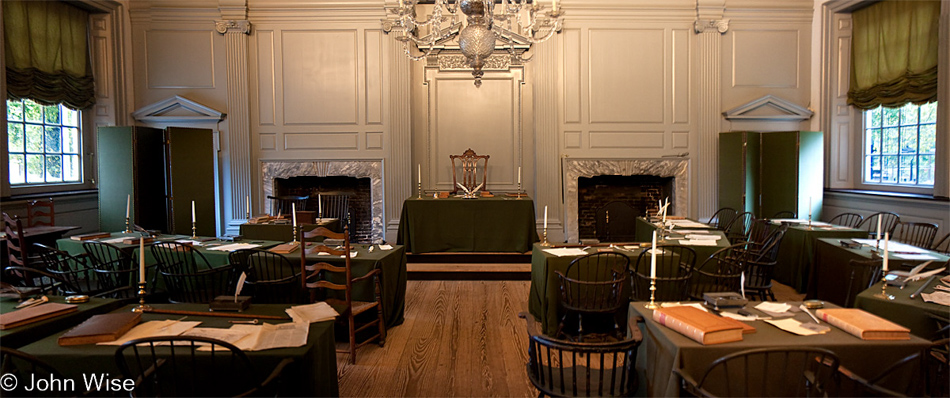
25, 334
485, 224
912, 313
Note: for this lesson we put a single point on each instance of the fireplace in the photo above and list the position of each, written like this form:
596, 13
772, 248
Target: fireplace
357, 190
677, 169
609, 204
370, 227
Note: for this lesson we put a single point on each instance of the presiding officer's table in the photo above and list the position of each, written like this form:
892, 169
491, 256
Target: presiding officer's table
25, 334
393, 280
830, 273
313, 372
912, 313
664, 349
544, 292
797, 251
484, 224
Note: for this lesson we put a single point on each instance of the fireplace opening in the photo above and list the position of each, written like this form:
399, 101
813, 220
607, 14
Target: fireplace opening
359, 193
608, 205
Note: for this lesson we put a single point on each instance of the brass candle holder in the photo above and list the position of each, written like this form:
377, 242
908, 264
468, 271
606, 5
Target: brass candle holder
296, 230
194, 231
419, 190
883, 294
544, 240
142, 307
652, 304
128, 226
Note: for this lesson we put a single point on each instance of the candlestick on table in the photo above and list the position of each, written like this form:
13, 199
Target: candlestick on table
320, 205
419, 180
142, 292
544, 240
652, 304
293, 208
247, 206
883, 294
128, 223
194, 230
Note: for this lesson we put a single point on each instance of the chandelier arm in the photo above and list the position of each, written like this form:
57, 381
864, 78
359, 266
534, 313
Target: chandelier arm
425, 54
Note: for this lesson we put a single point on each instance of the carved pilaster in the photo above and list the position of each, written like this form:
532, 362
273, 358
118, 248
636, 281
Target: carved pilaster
400, 174
718, 25
239, 125
709, 122
547, 167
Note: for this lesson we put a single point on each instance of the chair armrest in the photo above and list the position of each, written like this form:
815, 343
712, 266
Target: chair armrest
634, 329
533, 329
372, 273
689, 384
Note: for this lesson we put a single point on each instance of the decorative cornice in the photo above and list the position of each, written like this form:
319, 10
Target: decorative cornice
234, 25
787, 110
721, 25
156, 112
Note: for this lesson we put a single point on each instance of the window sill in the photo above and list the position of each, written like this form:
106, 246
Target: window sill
60, 194
890, 194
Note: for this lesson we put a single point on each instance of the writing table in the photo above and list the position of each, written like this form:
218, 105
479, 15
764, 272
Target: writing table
25, 334
911, 313
645, 228
284, 231
215, 257
797, 252
664, 349
484, 224
313, 372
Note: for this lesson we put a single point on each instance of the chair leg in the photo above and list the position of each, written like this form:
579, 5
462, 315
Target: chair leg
352, 327
382, 325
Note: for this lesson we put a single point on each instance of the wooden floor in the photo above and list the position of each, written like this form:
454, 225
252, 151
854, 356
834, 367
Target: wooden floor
460, 338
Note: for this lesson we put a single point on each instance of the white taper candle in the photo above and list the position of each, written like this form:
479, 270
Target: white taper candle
293, 209
653, 256
545, 217
519, 174
128, 204
878, 227
884, 264
192, 211
320, 204
247, 205
141, 259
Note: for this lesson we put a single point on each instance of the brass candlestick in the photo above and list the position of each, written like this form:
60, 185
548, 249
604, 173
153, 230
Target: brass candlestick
296, 230
518, 196
419, 184
652, 304
194, 230
883, 294
128, 226
142, 307
544, 241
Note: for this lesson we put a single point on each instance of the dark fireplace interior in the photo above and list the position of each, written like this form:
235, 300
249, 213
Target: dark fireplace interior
360, 199
623, 198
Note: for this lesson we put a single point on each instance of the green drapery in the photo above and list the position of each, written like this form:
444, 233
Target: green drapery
47, 55
894, 54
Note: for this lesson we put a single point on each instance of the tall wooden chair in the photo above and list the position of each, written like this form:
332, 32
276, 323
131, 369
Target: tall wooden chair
847, 220
188, 276
920, 234
766, 372
758, 282
722, 217
284, 204
738, 229
17, 250
674, 268
40, 212
335, 204
595, 286
563, 368
889, 222
468, 162
325, 279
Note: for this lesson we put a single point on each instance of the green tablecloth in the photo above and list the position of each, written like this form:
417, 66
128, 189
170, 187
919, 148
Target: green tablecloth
797, 252
497, 224
544, 291
664, 349
903, 310
284, 232
830, 272
393, 279
29, 333
313, 372
215, 257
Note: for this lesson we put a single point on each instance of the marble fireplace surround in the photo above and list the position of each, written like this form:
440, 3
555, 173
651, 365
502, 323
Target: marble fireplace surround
372, 169
678, 168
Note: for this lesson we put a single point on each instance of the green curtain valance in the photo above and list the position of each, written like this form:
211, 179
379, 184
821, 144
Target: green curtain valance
894, 53
47, 54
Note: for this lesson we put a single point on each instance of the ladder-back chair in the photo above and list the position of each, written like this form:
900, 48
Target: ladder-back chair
40, 212
468, 163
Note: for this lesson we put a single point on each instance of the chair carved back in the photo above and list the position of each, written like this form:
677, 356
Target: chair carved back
41, 212
720, 272
17, 250
863, 274
75, 270
468, 162
740, 226
284, 204
335, 204
113, 268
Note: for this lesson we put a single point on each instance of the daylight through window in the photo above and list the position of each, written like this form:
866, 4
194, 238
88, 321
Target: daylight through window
44, 143
900, 144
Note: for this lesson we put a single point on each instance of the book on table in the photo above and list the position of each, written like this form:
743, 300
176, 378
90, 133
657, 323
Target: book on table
100, 328
91, 236
286, 248
699, 325
864, 325
37, 313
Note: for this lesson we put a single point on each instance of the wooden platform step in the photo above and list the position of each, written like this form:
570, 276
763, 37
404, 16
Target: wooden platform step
469, 271
470, 258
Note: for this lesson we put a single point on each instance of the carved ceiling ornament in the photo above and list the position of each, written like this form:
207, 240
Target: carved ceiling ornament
234, 25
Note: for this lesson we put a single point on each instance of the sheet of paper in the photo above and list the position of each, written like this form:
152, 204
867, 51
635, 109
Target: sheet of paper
251, 334
917, 256
234, 246
769, 306
687, 224
385, 247
738, 317
154, 329
702, 237
113, 240
791, 326
942, 298
677, 304
310, 313
293, 334
893, 246
698, 242
566, 251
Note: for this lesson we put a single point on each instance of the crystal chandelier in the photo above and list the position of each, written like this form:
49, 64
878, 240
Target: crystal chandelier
508, 25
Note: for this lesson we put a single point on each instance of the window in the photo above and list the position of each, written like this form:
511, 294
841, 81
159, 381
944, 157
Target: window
900, 145
44, 143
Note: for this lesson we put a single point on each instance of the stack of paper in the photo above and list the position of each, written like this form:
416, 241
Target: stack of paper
113, 240
385, 247
698, 242
154, 329
311, 313
566, 251
687, 224
233, 247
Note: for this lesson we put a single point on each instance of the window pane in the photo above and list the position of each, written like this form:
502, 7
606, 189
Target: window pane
873, 118
908, 139
908, 169
34, 138
909, 114
54, 168
928, 112
926, 170
70, 140
889, 169
34, 168
14, 110
52, 114
34, 112
53, 139
891, 140
873, 142
17, 169
70, 117
872, 170
891, 116
928, 138
71, 167
15, 138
